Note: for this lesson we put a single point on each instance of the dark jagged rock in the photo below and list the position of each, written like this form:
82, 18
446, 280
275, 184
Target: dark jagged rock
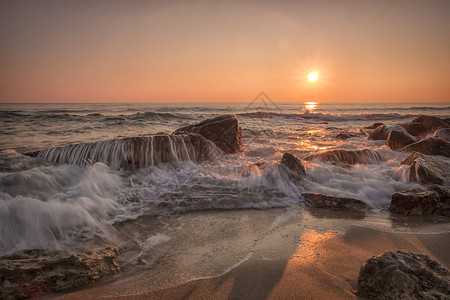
294, 164
134, 152
334, 203
352, 157
443, 133
424, 125
33, 273
382, 132
253, 168
224, 131
403, 275
430, 146
374, 126
435, 199
426, 169
400, 138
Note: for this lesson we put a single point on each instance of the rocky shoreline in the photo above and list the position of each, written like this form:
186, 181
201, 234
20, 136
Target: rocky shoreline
33, 273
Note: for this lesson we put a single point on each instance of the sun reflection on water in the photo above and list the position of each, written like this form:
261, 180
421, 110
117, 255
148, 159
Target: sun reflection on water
310, 106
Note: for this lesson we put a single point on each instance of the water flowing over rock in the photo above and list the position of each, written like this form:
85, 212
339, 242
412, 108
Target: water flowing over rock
443, 133
294, 164
134, 152
335, 203
33, 273
430, 146
435, 199
382, 132
365, 156
403, 275
345, 135
426, 169
400, 138
254, 168
224, 131
424, 125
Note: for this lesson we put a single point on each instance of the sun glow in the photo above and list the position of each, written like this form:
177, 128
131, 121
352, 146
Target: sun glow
313, 76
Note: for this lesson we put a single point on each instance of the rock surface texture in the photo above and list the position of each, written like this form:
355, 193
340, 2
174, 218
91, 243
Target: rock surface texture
400, 138
424, 125
334, 203
435, 199
443, 133
365, 156
426, 169
224, 131
382, 132
403, 275
294, 164
33, 273
430, 146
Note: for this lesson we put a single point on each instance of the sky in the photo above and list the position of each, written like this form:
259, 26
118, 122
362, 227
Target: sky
177, 51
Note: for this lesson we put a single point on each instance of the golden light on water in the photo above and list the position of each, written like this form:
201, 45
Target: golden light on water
313, 76
310, 106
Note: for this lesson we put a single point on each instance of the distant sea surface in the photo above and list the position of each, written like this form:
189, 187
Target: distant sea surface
44, 205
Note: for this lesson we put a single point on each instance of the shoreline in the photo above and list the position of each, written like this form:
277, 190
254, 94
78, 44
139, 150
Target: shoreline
290, 254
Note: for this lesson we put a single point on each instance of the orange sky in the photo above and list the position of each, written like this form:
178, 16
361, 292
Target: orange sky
133, 51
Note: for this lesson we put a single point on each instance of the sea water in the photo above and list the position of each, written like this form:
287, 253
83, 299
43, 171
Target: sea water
54, 206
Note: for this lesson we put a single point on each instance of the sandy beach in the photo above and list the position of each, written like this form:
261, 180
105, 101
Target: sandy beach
273, 254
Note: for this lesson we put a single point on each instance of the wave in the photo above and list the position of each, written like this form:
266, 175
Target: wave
327, 117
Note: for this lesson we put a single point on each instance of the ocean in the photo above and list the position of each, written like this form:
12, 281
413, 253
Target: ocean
74, 207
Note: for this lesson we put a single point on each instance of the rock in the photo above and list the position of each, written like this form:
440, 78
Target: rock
334, 203
134, 152
294, 164
345, 135
403, 275
382, 132
426, 169
424, 125
32, 273
399, 138
352, 157
374, 126
443, 133
430, 146
254, 168
435, 199
224, 131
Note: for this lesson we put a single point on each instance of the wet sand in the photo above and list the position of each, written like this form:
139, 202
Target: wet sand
273, 254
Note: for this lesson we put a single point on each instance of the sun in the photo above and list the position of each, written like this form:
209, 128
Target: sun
313, 76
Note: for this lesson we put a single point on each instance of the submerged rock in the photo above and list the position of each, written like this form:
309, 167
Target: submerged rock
224, 131
382, 132
403, 275
294, 164
334, 203
345, 135
435, 199
426, 169
374, 125
399, 138
134, 152
32, 273
253, 168
430, 146
424, 125
443, 133
352, 157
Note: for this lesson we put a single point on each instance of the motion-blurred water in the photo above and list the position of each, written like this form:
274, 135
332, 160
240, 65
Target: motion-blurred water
49, 206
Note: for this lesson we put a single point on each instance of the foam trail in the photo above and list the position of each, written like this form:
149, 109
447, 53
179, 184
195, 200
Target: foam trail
135, 152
